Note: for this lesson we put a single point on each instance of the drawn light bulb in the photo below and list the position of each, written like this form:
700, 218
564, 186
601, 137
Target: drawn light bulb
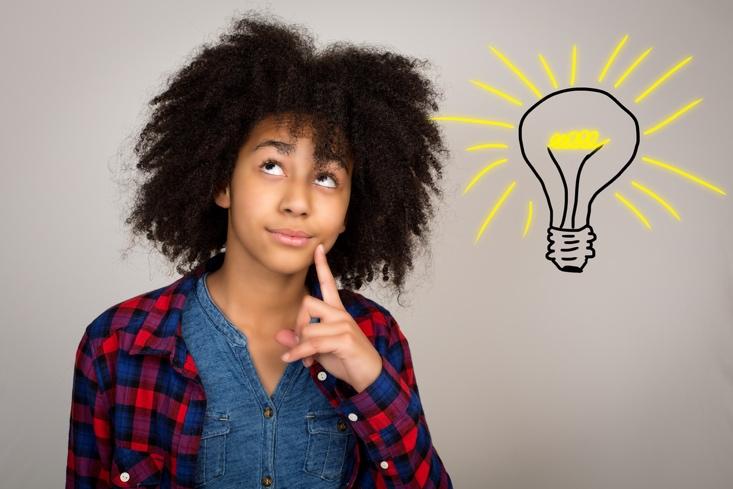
576, 142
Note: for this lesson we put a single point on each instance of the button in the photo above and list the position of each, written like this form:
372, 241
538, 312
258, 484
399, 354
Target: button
124, 477
321, 375
383, 464
267, 481
268, 412
341, 425
353, 417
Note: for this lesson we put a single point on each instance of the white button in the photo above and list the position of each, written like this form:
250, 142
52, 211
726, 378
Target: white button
124, 477
383, 464
321, 375
353, 417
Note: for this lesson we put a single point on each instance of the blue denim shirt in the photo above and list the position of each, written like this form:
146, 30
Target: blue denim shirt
293, 439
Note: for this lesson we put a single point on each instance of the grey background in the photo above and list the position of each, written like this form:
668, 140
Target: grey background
530, 378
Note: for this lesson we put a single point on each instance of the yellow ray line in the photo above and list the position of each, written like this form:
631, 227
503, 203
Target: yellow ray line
488, 146
672, 117
529, 219
634, 210
631, 68
550, 75
470, 120
497, 92
516, 71
684, 174
494, 209
573, 64
612, 58
656, 197
662, 78
481, 173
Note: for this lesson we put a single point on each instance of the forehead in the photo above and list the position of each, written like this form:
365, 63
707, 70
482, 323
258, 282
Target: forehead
283, 137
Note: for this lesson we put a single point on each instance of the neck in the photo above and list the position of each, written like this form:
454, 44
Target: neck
256, 300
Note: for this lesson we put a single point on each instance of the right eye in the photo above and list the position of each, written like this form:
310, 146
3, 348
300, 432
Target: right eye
270, 163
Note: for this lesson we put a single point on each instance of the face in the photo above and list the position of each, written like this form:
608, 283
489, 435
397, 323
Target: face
275, 185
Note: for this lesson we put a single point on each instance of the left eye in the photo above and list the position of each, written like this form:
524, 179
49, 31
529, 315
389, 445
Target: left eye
322, 175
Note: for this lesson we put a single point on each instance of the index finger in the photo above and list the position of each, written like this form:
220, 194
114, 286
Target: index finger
329, 291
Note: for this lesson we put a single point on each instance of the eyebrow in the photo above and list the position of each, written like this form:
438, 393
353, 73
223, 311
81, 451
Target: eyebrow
286, 149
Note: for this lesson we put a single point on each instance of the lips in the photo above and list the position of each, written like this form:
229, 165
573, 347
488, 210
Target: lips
291, 232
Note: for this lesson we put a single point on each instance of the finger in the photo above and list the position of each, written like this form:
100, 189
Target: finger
329, 291
286, 337
303, 317
315, 330
314, 346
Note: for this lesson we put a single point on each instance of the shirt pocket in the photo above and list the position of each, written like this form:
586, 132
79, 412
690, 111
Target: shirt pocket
135, 468
329, 439
211, 459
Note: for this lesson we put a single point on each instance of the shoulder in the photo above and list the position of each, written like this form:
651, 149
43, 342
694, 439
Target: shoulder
374, 319
120, 323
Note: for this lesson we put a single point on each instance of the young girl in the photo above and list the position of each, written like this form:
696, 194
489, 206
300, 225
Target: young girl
272, 170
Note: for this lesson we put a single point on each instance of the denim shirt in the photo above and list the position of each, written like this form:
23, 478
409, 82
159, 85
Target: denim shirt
293, 439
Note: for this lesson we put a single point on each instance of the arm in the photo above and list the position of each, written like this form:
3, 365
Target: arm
391, 422
87, 464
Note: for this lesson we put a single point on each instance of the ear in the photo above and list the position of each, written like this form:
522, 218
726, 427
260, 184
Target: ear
223, 199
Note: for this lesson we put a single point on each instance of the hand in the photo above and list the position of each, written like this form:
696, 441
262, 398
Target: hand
337, 342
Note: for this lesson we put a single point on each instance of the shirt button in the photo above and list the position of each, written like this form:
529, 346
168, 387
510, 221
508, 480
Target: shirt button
124, 477
353, 417
341, 426
321, 375
267, 481
383, 464
268, 412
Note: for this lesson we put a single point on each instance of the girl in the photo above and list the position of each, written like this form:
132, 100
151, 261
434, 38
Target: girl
268, 156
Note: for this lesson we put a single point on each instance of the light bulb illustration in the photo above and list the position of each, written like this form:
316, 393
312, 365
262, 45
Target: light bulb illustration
576, 141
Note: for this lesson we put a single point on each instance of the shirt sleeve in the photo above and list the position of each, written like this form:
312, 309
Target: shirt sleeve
388, 418
87, 464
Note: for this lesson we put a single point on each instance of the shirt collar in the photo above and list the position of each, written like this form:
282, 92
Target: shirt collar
161, 332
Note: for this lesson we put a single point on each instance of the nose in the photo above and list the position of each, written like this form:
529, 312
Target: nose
296, 198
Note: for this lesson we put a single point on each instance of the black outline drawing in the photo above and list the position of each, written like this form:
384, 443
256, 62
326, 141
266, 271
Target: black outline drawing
563, 236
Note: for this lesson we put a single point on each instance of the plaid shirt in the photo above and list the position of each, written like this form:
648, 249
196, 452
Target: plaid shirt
138, 403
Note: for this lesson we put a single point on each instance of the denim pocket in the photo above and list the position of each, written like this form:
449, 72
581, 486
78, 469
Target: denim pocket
211, 461
329, 439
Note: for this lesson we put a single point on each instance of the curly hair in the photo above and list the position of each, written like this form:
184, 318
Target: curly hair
369, 105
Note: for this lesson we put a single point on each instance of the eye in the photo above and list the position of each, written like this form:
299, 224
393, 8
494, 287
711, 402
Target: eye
332, 177
321, 175
269, 163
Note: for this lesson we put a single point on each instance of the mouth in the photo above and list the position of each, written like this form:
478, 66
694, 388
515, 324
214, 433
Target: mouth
288, 239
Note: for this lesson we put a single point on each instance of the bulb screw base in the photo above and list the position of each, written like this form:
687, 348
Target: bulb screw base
570, 249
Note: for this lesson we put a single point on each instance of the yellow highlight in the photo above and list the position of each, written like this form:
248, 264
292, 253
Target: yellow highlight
573, 64
470, 120
662, 78
684, 174
656, 197
497, 92
631, 68
634, 210
550, 75
488, 146
582, 139
516, 71
494, 209
672, 117
481, 173
529, 219
612, 58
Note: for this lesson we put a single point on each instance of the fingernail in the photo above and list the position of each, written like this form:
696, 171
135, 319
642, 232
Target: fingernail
285, 357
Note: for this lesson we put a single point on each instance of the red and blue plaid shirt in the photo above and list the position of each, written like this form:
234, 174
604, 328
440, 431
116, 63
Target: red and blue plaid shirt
138, 403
